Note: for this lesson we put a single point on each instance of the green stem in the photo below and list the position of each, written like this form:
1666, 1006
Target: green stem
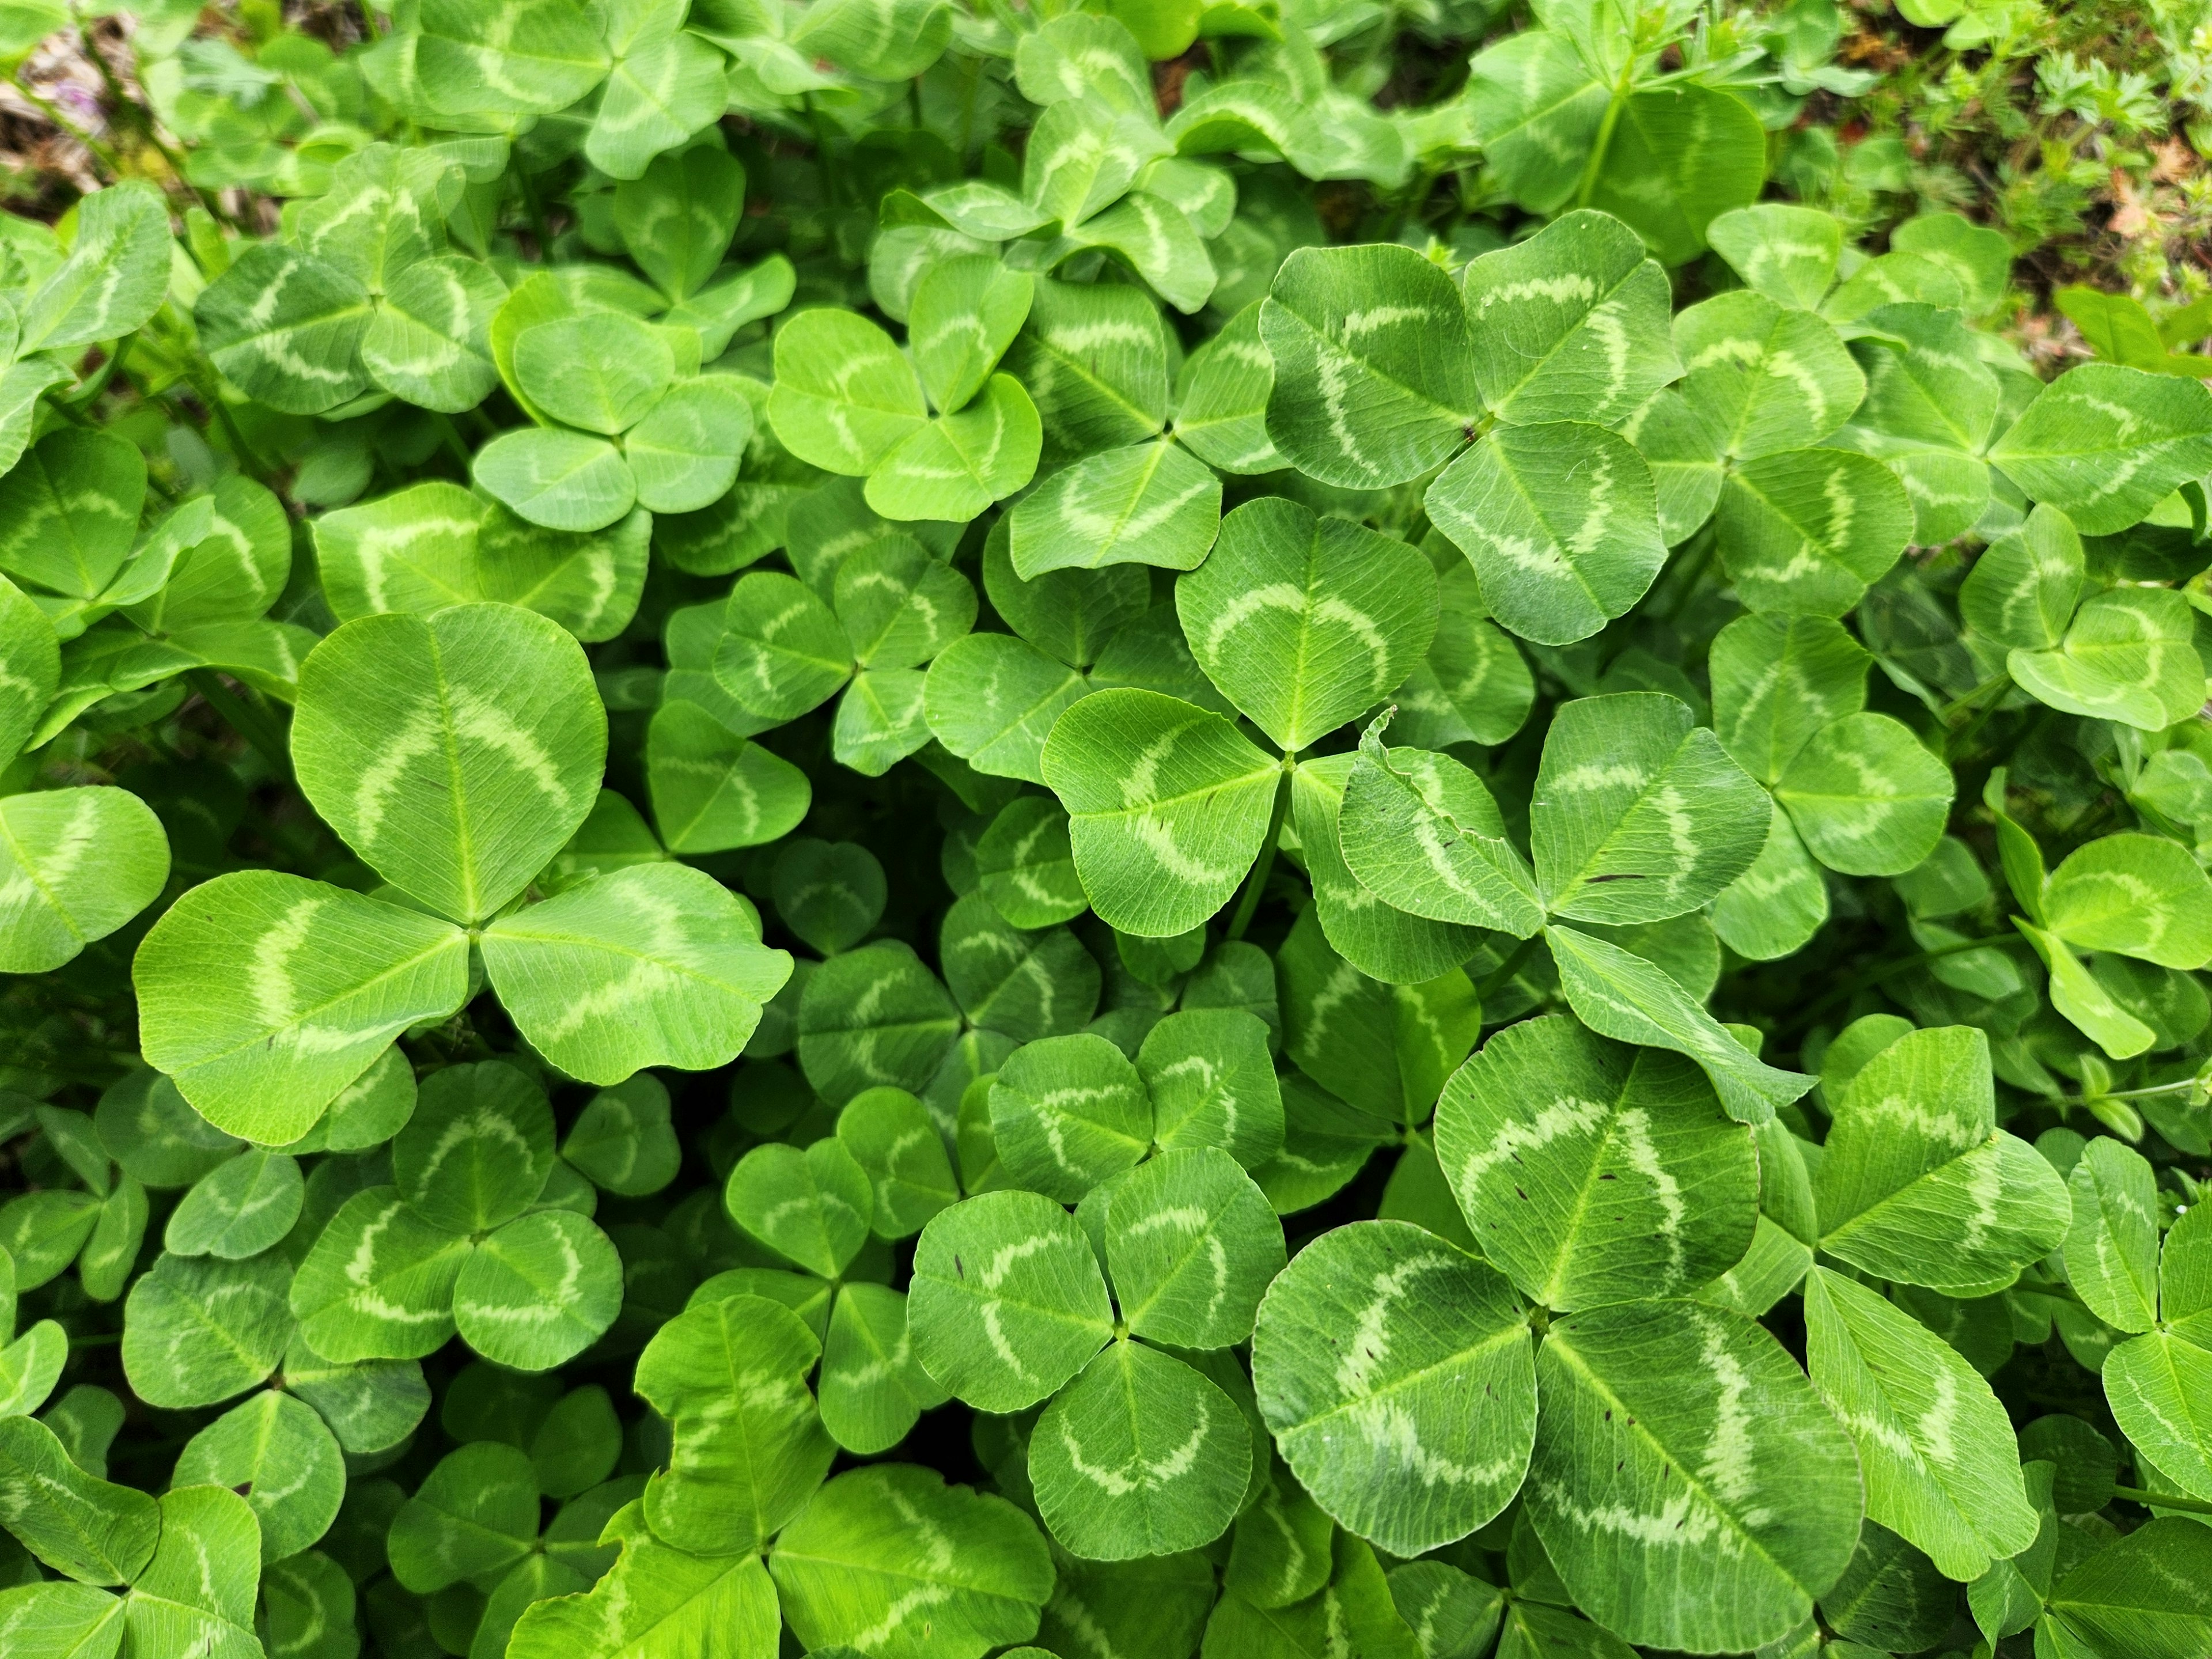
247, 456
2151, 1093
1250, 900
1501, 975
1961, 705
1588, 187
255, 725
2163, 1500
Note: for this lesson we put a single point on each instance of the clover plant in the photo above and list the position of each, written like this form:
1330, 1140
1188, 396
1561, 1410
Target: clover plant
894, 828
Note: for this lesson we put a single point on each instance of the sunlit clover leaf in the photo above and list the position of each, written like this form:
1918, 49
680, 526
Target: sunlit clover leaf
1396, 1375
1592, 1173
1352, 1612
1007, 1302
370, 1406
378, 1283
197, 1330
115, 277
285, 326
1095, 358
1156, 239
2105, 444
1571, 325
1068, 1112
384, 210
893, 1559
888, 1133
478, 1149
1212, 1083
31, 1364
1679, 1444
1140, 1456
749, 1447
1384, 1049
880, 39
1020, 986
1638, 813
53, 1616
238, 1209
1773, 907
538, 1292
74, 866
1680, 156
655, 1599
1941, 1464
2126, 656
33, 674
1560, 522
454, 753
1280, 1553
521, 56
1151, 503
1625, 996
1866, 795
1379, 939
429, 341
1081, 55
44, 1230
1305, 622
623, 1141
198, 1594
263, 995
668, 945
599, 370
1807, 531
1765, 377
474, 1517
2129, 893
1375, 379
783, 651
665, 83
965, 313
1421, 832
70, 510
813, 1207
79, 1525
844, 396
961, 462
1025, 865
2159, 1384
1787, 252
274, 1451
228, 567
564, 480
2022, 590
1778, 681
415, 549
873, 1018
1221, 398
1192, 1245
2111, 1250
1167, 806
1918, 1184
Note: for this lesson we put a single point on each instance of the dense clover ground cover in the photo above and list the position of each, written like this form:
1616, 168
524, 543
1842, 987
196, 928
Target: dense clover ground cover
1186, 829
